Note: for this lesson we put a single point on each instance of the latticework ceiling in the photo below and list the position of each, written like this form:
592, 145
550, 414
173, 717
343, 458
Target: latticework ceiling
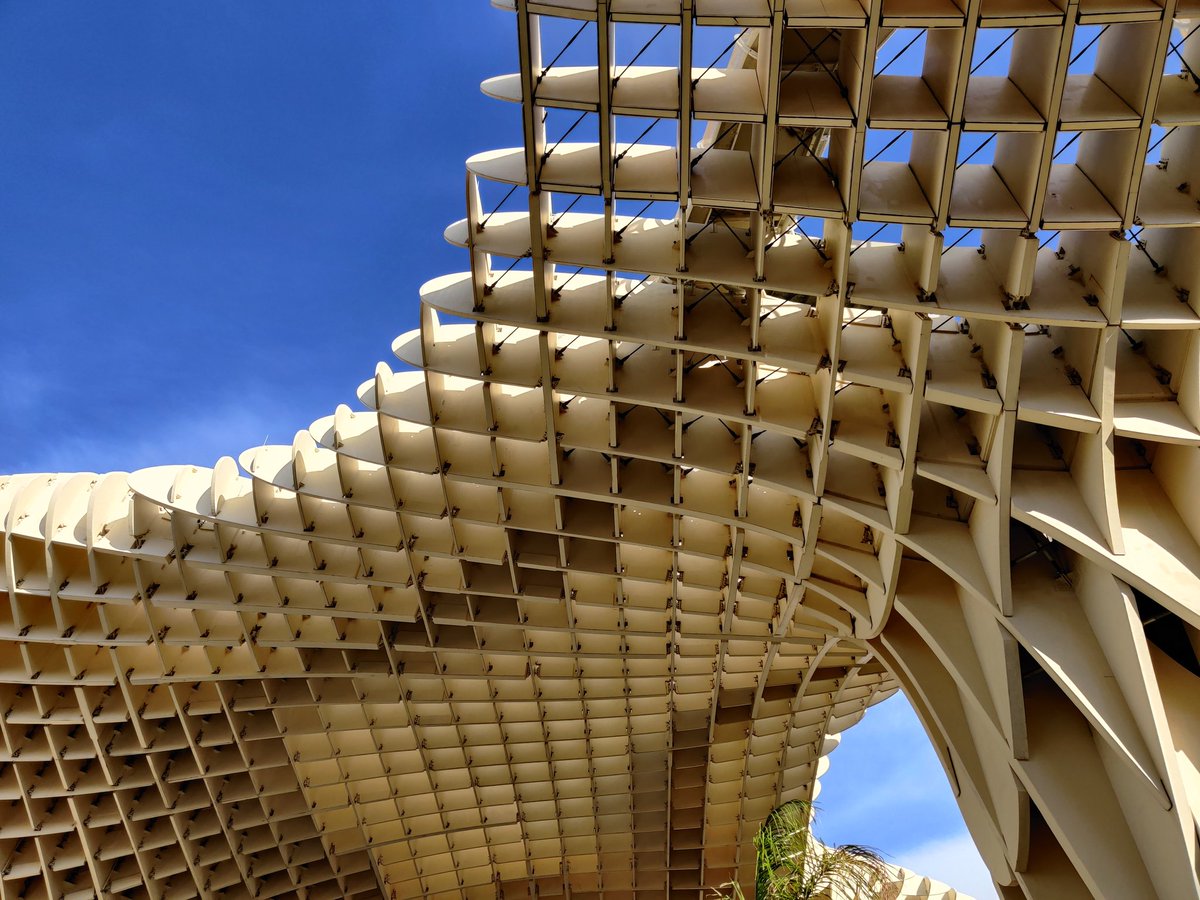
684, 473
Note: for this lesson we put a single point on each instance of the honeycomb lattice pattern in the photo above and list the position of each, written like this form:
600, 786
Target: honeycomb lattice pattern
688, 470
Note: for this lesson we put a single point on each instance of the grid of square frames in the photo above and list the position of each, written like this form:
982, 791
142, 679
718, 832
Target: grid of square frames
890, 379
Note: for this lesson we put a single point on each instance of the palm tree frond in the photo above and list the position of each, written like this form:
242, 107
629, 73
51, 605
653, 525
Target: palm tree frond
793, 865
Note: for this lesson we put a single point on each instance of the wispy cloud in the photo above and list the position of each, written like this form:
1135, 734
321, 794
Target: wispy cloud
886, 788
953, 860
885, 785
195, 436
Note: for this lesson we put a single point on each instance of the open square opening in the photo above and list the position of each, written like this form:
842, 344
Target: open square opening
901, 175
995, 177
645, 157
810, 169
566, 42
915, 71
643, 44
821, 76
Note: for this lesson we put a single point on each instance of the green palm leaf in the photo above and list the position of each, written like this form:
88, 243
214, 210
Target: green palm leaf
790, 864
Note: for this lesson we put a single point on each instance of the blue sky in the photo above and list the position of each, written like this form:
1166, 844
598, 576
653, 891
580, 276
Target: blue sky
210, 231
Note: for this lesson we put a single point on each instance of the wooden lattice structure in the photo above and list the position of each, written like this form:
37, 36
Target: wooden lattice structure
663, 503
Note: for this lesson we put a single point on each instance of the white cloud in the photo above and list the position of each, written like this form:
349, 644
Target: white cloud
886, 788
953, 860
196, 433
